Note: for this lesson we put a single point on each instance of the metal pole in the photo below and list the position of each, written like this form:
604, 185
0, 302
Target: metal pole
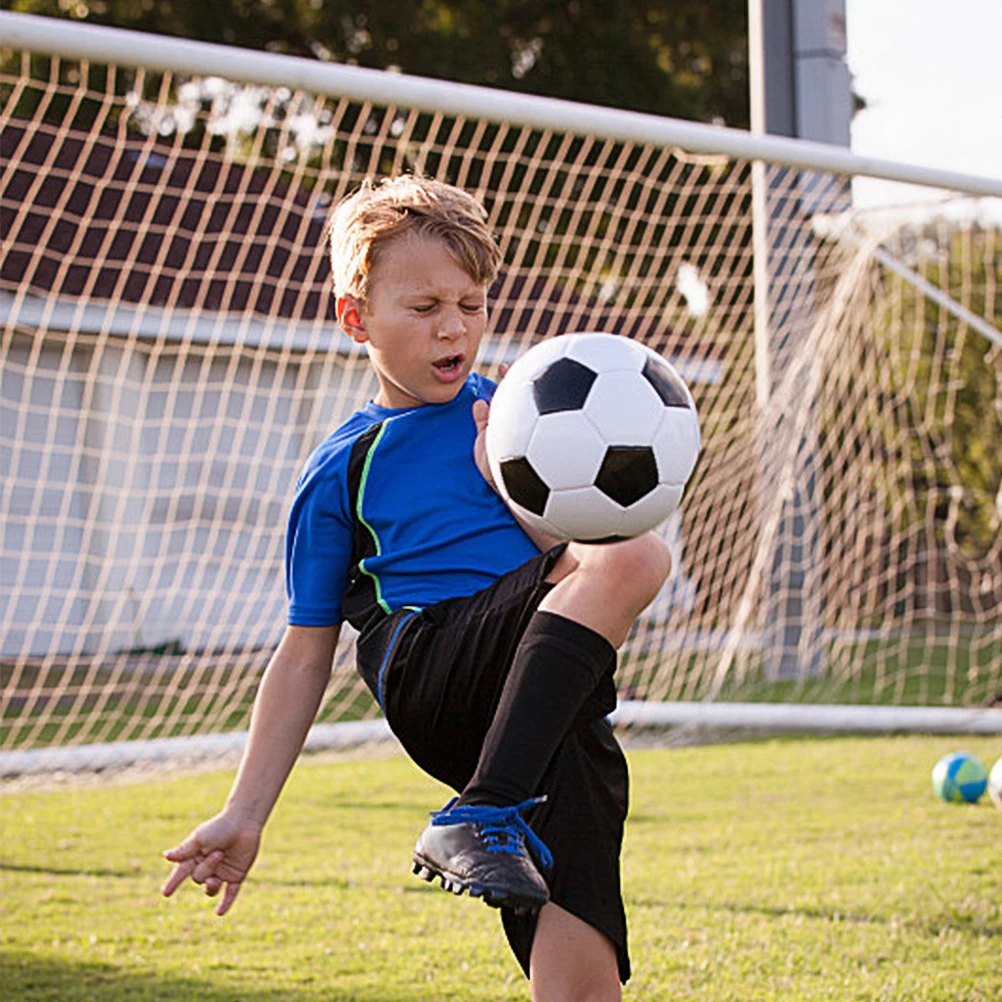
799, 87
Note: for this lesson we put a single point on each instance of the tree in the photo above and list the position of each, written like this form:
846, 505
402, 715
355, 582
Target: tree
687, 58
951, 377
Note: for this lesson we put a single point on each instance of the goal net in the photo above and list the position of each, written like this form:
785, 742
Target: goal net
170, 358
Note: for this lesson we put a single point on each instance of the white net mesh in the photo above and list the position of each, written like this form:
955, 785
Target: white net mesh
170, 358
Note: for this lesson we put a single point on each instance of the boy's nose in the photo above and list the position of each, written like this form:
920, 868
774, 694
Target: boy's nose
451, 327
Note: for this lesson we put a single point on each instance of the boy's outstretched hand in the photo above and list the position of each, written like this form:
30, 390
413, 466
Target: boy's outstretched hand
218, 853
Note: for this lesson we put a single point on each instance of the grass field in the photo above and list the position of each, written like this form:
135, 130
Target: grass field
765, 870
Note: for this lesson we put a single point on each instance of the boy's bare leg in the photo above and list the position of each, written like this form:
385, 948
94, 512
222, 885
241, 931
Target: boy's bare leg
606, 587
571, 961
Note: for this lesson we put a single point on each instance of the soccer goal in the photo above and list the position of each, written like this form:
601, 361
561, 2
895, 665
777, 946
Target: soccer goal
170, 358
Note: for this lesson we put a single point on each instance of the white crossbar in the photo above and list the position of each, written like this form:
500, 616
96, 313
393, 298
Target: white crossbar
55, 36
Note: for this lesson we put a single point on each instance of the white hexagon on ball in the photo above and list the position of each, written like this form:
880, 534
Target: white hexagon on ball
584, 514
676, 445
526, 367
537, 522
624, 409
565, 451
995, 784
510, 437
605, 352
651, 511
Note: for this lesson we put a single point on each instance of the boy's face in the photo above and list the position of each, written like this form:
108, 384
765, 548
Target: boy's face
423, 322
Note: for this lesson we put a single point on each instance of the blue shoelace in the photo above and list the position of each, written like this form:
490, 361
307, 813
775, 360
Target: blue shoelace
503, 828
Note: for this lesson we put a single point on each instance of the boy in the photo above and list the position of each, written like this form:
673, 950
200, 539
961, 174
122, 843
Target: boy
490, 648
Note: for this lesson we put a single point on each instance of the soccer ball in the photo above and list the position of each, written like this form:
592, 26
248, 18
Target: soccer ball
959, 777
995, 784
592, 437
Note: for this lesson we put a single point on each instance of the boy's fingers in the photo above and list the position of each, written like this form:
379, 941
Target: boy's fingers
480, 413
212, 886
206, 867
503, 369
188, 849
178, 877
232, 890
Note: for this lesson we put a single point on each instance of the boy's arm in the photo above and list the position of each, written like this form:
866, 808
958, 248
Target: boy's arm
220, 851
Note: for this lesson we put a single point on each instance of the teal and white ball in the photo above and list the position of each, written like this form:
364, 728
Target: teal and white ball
995, 784
959, 778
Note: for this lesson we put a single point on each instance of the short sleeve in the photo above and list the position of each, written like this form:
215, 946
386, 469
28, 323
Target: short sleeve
318, 549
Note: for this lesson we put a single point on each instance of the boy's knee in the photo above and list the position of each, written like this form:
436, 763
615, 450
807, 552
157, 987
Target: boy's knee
638, 566
646, 562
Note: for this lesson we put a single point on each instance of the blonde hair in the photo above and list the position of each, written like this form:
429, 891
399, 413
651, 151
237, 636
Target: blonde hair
379, 212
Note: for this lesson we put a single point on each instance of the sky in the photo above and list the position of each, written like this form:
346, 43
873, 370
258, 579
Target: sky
931, 76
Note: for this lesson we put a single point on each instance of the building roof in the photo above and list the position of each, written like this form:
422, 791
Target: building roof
136, 220
137, 234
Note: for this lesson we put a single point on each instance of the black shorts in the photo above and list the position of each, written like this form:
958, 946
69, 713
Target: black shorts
438, 675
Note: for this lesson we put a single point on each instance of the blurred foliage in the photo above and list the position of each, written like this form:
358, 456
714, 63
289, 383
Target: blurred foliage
686, 58
951, 379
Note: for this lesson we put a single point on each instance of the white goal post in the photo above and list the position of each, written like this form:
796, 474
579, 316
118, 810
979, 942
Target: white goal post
170, 359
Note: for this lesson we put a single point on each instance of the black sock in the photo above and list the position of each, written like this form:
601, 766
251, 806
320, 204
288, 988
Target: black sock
561, 676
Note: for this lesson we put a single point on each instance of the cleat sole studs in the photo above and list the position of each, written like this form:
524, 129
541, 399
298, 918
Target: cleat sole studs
423, 871
493, 896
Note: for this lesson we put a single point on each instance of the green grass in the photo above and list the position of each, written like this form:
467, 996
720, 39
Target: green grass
769, 870
89, 703
903, 671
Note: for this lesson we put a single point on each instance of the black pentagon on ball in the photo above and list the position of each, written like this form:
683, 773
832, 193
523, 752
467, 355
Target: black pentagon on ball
627, 474
668, 386
563, 386
523, 485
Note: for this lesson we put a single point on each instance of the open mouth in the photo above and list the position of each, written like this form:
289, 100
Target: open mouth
450, 365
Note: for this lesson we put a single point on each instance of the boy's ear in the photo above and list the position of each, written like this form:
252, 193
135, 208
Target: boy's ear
349, 316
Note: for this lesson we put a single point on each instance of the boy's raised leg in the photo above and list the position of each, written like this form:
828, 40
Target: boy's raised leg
562, 674
563, 667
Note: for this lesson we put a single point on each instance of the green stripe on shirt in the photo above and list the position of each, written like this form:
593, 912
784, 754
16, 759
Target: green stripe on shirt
358, 511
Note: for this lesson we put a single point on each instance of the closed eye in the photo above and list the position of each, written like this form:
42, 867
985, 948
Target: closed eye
471, 308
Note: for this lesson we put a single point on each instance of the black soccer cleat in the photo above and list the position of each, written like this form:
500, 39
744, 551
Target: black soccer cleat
482, 850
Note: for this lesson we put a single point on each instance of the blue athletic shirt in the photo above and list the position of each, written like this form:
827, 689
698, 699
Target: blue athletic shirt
391, 511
